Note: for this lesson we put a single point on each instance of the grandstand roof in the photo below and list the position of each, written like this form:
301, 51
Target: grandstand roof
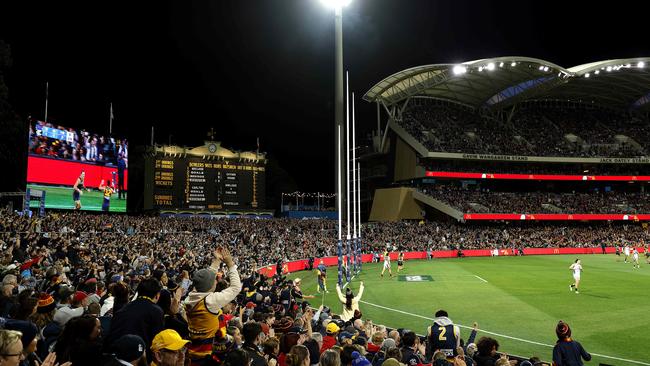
503, 81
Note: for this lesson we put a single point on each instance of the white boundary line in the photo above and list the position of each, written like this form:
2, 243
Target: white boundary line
481, 278
501, 335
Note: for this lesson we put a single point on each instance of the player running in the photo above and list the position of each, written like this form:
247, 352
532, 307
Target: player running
386, 264
576, 267
635, 258
76, 190
626, 251
108, 192
400, 261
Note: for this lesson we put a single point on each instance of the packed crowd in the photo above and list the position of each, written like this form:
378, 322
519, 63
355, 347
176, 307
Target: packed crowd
490, 167
578, 132
125, 290
81, 146
477, 200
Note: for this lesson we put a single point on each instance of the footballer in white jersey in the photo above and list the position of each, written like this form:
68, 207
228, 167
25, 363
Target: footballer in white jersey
626, 251
635, 258
576, 268
386, 264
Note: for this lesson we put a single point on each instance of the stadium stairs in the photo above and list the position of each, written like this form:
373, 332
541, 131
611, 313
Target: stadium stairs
401, 132
438, 205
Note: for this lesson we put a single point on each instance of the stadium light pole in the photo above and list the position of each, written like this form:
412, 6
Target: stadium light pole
338, 5
353, 192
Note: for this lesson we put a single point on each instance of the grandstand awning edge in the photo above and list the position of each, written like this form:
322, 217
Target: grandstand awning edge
503, 81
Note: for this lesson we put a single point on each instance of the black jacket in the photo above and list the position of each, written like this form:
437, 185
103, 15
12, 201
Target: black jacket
140, 317
256, 356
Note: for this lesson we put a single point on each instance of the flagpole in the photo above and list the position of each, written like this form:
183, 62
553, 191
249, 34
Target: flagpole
110, 121
47, 88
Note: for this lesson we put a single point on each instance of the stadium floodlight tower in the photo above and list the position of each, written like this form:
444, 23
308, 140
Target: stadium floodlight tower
338, 6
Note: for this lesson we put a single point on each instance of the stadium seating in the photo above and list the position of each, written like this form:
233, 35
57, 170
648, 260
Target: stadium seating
532, 131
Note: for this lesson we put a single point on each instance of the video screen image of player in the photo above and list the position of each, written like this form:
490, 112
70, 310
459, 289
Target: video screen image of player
77, 169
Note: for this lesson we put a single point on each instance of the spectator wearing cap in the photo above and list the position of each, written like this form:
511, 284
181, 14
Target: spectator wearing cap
253, 338
168, 349
203, 305
359, 360
79, 341
566, 351
141, 317
331, 333
45, 310
29, 338
128, 350
349, 301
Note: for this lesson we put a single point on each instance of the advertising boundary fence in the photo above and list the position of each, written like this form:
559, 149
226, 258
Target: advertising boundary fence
302, 264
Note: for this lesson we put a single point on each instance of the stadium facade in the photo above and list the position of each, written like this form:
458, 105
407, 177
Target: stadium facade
585, 128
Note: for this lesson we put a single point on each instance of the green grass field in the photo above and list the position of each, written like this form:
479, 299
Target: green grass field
518, 299
61, 198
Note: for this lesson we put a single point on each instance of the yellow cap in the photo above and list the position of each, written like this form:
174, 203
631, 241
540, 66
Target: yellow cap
168, 339
332, 328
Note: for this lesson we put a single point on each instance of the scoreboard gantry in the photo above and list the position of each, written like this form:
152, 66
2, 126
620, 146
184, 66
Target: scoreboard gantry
207, 184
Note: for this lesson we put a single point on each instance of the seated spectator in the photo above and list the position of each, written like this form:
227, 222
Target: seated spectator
168, 349
128, 350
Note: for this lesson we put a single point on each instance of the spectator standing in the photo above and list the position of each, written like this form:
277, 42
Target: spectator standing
141, 317
350, 302
566, 351
203, 305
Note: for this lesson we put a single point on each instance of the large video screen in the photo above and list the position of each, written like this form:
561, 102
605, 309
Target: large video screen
77, 169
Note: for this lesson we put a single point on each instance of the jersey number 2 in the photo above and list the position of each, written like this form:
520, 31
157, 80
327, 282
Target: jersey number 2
441, 336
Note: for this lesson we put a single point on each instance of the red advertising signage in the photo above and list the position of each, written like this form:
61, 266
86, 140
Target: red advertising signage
301, 265
556, 217
462, 175
65, 172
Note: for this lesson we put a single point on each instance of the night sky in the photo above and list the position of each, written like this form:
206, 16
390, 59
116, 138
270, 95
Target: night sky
266, 68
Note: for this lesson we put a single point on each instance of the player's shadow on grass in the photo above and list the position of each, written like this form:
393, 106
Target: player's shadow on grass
598, 296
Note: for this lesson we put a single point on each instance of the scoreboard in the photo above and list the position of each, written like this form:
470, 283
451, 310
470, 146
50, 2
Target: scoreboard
198, 184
